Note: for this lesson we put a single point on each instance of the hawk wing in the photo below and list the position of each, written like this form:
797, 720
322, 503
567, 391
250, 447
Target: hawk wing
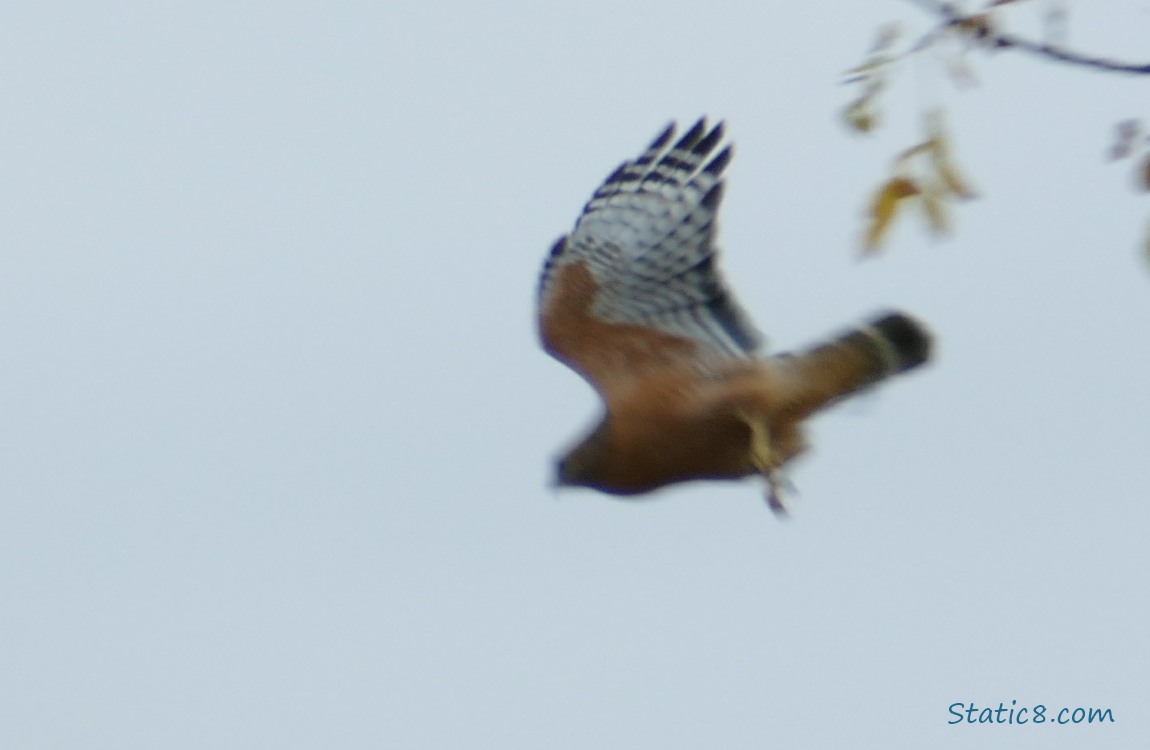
635, 287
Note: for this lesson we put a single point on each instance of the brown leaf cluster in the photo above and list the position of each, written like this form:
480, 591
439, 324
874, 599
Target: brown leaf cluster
924, 178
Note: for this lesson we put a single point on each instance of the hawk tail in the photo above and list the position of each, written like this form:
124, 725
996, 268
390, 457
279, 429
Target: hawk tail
903, 342
887, 345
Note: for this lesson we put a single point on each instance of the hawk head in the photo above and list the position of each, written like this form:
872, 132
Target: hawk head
584, 464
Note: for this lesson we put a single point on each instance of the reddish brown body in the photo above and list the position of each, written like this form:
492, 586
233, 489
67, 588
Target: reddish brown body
669, 419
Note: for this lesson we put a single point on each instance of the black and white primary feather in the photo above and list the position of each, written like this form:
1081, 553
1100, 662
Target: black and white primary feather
648, 237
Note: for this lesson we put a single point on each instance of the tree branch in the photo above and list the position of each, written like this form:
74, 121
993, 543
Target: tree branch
980, 31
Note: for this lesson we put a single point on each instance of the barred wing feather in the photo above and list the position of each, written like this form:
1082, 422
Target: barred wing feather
646, 244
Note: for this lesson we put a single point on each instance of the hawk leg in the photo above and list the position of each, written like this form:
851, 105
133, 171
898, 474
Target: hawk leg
766, 461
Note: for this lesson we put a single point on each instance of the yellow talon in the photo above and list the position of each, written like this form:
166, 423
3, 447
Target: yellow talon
763, 459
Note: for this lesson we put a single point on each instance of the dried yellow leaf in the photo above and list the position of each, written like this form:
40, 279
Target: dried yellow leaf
935, 209
875, 234
884, 207
860, 115
940, 152
954, 181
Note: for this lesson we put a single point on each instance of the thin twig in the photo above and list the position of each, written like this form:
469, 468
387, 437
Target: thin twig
952, 17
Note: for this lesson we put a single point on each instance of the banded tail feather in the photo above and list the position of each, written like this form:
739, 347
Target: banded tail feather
887, 345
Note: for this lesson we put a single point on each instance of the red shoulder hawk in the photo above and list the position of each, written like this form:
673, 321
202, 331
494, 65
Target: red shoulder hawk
633, 302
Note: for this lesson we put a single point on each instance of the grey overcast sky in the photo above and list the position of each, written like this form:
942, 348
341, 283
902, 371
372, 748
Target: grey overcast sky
276, 431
